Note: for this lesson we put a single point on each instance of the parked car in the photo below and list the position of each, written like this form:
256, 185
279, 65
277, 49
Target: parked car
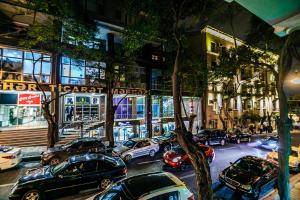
9, 157
211, 137
248, 175
238, 136
136, 148
159, 186
79, 172
165, 140
58, 154
294, 158
270, 143
178, 159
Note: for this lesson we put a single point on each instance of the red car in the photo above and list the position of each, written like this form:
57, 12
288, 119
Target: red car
178, 159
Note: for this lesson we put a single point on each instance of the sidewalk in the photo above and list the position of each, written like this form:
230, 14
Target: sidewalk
32, 153
295, 190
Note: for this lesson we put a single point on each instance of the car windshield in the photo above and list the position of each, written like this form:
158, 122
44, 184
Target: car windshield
294, 153
130, 144
116, 192
251, 166
57, 168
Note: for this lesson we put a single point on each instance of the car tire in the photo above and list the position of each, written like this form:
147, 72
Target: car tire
238, 141
32, 195
222, 142
127, 158
105, 183
167, 148
54, 161
152, 153
206, 143
182, 167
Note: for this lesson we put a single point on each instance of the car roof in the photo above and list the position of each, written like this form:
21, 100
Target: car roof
86, 157
146, 183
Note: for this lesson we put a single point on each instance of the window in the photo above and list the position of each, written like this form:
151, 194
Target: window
82, 72
155, 107
72, 170
140, 107
88, 167
18, 65
166, 196
213, 47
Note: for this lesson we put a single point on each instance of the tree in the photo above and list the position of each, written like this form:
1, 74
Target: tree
169, 22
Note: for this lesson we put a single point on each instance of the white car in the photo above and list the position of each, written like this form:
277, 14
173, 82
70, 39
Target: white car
9, 157
136, 148
159, 185
294, 158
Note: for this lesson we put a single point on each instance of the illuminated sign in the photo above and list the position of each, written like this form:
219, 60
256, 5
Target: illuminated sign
29, 99
19, 86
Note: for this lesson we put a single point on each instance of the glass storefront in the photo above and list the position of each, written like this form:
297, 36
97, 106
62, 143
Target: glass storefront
19, 110
130, 107
82, 107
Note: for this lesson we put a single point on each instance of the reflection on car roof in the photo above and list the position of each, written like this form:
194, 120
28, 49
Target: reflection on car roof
145, 183
86, 157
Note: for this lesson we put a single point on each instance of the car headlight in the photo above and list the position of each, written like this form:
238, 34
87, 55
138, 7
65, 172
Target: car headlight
246, 187
176, 159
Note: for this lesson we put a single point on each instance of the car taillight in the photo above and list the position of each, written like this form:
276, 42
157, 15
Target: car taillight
125, 170
9, 157
191, 197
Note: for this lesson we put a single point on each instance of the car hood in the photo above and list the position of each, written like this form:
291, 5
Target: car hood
121, 149
37, 174
241, 176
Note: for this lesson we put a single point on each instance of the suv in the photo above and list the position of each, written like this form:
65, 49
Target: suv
165, 140
58, 154
78, 173
153, 186
211, 137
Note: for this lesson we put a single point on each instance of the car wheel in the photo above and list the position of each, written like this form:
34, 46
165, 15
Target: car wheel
222, 142
105, 183
206, 143
167, 148
54, 161
238, 141
182, 166
152, 153
32, 195
127, 158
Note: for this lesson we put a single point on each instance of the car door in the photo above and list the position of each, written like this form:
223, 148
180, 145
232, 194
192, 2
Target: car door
69, 179
137, 151
89, 173
146, 148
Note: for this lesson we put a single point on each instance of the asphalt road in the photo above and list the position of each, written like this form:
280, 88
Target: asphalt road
224, 155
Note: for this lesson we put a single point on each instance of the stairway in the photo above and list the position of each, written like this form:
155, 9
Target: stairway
24, 137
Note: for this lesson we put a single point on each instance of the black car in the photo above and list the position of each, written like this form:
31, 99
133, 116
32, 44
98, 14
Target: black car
165, 140
248, 175
58, 154
238, 136
79, 172
211, 137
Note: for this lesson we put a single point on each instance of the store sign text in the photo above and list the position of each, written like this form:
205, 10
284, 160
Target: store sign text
29, 99
67, 88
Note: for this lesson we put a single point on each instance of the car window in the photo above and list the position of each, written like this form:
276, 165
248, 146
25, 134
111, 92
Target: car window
88, 167
166, 196
129, 143
139, 145
146, 143
71, 170
76, 145
89, 144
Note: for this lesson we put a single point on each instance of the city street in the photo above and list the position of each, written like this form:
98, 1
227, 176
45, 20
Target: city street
224, 155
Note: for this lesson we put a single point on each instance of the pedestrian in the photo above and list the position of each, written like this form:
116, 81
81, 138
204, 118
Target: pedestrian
197, 128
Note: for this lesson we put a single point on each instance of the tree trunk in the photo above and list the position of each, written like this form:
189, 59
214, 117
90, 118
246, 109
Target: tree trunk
284, 123
52, 130
197, 157
191, 122
109, 127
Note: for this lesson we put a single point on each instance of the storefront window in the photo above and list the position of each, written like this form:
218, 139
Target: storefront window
140, 105
155, 107
18, 65
21, 110
168, 108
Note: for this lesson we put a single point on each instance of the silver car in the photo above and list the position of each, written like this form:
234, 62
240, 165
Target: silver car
134, 148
